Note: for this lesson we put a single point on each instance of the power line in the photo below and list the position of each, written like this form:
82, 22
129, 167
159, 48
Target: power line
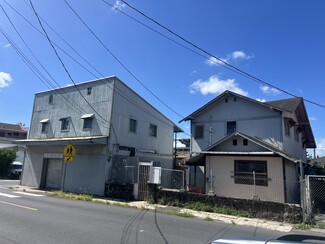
120, 62
67, 72
225, 64
117, 90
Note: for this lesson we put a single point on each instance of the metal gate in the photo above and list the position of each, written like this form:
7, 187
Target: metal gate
54, 174
315, 199
144, 172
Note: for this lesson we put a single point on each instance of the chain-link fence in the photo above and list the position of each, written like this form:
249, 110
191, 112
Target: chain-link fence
315, 199
172, 179
255, 186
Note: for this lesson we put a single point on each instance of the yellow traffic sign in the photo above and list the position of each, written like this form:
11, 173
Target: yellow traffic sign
68, 159
69, 151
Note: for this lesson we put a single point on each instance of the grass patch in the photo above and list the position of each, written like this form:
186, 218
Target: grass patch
80, 197
221, 210
180, 214
320, 226
302, 227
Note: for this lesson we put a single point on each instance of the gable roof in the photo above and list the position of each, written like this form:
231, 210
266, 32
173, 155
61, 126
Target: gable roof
12, 127
271, 149
227, 94
291, 105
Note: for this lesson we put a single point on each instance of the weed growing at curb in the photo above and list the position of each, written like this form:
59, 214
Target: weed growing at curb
60, 194
302, 226
180, 214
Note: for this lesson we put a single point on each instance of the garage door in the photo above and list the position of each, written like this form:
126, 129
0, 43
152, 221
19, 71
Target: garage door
54, 174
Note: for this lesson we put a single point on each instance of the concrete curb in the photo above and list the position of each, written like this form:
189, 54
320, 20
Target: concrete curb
259, 223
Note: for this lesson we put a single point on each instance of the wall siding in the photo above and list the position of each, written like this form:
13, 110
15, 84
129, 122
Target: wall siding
224, 185
251, 118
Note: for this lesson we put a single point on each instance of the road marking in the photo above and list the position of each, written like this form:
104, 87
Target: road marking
28, 194
19, 206
8, 195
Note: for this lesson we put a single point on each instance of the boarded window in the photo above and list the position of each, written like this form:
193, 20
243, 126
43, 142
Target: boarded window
251, 172
198, 131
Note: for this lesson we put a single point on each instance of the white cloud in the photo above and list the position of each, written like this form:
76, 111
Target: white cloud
212, 61
5, 79
320, 150
261, 100
118, 5
269, 90
240, 55
7, 45
312, 118
236, 55
214, 85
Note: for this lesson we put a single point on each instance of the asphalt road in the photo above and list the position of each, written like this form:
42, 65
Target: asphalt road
41, 219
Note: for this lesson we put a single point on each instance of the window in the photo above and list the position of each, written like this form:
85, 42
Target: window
246, 172
296, 134
2, 134
198, 131
89, 89
231, 127
133, 125
51, 99
65, 124
88, 121
245, 142
234, 142
45, 127
153, 130
287, 128
226, 100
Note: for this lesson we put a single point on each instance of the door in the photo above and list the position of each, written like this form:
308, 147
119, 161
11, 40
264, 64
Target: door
144, 172
54, 174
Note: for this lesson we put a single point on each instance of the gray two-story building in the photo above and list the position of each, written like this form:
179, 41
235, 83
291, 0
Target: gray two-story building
87, 136
243, 148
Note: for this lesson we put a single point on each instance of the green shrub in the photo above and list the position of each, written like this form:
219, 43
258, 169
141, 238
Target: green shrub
7, 156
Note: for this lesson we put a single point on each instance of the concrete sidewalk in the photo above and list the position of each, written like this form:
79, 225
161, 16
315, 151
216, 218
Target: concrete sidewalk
260, 223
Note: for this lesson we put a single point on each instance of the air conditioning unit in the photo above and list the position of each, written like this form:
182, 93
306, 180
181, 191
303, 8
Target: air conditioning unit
155, 175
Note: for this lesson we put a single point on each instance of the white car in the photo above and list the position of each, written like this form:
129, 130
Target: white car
15, 169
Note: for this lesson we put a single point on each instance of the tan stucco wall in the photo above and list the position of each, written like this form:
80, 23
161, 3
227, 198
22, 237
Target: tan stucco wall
224, 185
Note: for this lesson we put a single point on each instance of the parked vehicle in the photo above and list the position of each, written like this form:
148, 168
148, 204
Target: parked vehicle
15, 169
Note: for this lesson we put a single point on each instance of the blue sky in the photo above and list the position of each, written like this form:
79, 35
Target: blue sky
280, 42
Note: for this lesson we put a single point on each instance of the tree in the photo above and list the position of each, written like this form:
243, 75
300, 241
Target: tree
7, 156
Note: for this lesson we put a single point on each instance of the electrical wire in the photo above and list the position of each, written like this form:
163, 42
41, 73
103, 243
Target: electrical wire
225, 64
120, 62
68, 73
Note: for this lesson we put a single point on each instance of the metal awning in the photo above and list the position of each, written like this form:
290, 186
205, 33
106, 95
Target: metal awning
45, 121
87, 116
63, 141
